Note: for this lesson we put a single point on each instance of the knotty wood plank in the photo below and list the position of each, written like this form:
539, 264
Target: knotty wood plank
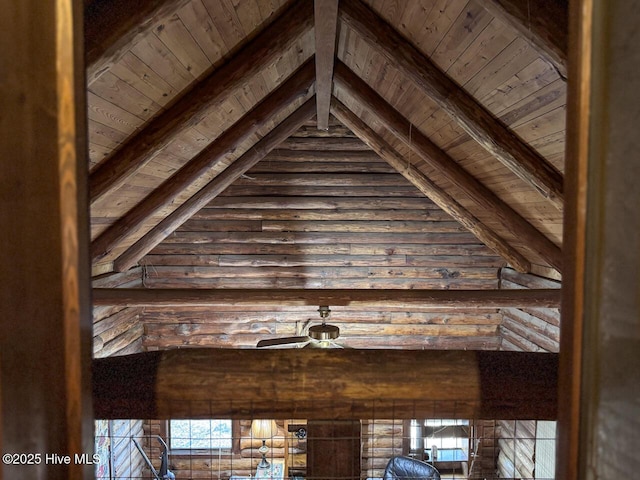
324, 202
215, 214
544, 23
170, 223
265, 48
470, 115
314, 383
298, 85
438, 159
278, 283
112, 26
430, 189
382, 299
325, 27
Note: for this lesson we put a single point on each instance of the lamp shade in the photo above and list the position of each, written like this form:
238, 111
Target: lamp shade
263, 429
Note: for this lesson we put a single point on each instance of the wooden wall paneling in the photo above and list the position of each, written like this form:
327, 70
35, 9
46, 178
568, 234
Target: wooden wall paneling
205, 195
471, 115
45, 340
297, 86
543, 23
112, 26
471, 21
261, 51
429, 152
430, 189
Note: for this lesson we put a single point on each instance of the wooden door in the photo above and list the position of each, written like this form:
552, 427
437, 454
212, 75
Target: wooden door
333, 449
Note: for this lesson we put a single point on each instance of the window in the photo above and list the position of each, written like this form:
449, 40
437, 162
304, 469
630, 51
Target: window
214, 434
439, 440
545, 453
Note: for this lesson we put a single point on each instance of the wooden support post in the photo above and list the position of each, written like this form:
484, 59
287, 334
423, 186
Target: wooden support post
326, 384
326, 26
265, 48
476, 120
45, 327
298, 85
430, 189
384, 300
170, 223
438, 159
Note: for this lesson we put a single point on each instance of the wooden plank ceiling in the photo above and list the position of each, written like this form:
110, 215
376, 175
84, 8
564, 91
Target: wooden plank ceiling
273, 144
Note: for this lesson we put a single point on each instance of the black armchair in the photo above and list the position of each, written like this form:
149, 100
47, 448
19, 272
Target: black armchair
406, 468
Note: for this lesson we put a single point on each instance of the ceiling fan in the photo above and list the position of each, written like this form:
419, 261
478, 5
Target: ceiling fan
319, 336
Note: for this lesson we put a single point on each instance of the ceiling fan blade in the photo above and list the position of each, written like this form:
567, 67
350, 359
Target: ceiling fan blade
276, 342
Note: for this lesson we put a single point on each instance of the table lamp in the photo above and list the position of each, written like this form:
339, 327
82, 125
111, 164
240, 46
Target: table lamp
263, 429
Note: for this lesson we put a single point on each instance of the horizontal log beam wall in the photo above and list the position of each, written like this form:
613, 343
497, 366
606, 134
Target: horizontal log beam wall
387, 300
327, 384
117, 330
529, 329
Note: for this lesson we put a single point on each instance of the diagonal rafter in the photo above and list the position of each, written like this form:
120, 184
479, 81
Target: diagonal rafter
476, 120
263, 50
430, 189
397, 124
544, 23
112, 26
185, 211
326, 26
297, 86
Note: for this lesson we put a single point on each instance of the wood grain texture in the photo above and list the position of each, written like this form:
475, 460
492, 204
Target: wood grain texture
297, 86
544, 23
326, 384
448, 167
112, 26
388, 300
472, 117
430, 189
170, 223
45, 333
264, 49
325, 28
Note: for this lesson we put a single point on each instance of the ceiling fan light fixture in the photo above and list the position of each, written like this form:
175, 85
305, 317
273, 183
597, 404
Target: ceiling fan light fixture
324, 332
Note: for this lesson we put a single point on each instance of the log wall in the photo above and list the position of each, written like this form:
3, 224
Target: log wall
212, 465
334, 218
531, 330
119, 331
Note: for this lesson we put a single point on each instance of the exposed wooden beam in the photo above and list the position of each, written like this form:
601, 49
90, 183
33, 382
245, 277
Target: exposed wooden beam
448, 167
476, 120
112, 26
326, 384
326, 26
544, 23
387, 300
170, 223
445, 201
211, 92
45, 329
298, 85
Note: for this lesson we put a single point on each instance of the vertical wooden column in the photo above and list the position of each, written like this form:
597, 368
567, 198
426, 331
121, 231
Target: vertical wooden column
45, 326
599, 413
